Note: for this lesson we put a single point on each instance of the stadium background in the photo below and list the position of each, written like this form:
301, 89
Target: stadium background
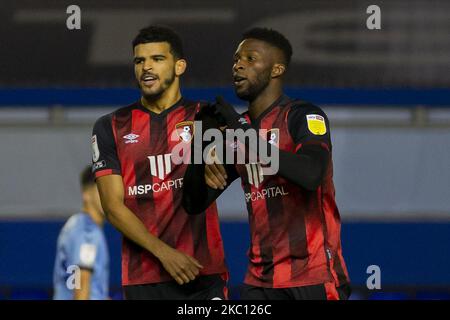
385, 91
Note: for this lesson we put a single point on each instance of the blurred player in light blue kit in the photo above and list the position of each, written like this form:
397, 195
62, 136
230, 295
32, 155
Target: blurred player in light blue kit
82, 260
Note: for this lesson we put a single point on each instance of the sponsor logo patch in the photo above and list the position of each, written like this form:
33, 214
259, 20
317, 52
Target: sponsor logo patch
316, 124
160, 165
255, 174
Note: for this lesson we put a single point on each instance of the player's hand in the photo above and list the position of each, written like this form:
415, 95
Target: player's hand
210, 117
215, 173
226, 111
215, 176
182, 267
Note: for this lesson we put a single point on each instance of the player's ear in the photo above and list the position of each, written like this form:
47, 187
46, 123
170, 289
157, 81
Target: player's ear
180, 67
278, 70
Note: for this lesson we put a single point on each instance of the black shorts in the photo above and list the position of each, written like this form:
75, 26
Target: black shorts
202, 288
325, 291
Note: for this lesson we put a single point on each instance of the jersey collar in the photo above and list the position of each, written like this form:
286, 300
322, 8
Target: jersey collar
283, 99
177, 104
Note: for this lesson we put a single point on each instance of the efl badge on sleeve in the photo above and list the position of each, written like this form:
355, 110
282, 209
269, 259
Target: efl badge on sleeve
88, 252
185, 130
316, 124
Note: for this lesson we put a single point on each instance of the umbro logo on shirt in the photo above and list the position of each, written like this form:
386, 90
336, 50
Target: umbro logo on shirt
242, 121
131, 138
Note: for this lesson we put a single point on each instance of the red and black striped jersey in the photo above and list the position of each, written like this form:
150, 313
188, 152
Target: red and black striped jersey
295, 233
137, 144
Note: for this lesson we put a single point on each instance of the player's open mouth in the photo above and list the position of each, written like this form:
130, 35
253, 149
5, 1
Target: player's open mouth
239, 80
149, 79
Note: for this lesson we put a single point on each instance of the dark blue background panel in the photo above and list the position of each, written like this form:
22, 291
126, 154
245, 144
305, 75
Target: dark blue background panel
125, 96
408, 254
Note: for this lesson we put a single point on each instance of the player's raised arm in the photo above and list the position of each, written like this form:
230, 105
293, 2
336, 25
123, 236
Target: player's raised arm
309, 129
204, 183
306, 166
180, 266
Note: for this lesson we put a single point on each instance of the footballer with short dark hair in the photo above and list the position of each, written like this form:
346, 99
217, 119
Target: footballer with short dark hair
82, 246
166, 253
295, 248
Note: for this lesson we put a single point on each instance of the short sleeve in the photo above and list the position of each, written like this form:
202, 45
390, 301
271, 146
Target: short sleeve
104, 152
308, 124
84, 249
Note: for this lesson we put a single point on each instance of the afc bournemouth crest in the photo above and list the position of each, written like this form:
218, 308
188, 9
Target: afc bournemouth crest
185, 130
273, 137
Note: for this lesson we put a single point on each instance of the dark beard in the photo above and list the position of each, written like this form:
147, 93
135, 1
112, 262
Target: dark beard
262, 81
155, 96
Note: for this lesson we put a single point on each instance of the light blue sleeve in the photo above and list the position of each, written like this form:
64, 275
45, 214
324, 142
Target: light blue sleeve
84, 247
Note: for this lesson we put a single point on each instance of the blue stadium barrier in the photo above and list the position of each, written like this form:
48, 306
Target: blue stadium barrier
124, 96
390, 296
432, 295
116, 294
29, 294
409, 255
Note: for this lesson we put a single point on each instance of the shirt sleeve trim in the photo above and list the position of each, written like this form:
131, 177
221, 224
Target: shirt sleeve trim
106, 172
